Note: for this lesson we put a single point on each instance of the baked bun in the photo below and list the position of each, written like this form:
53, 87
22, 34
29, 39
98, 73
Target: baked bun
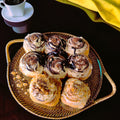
80, 66
77, 45
55, 66
31, 64
75, 93
45, 91
34, 42
54, 44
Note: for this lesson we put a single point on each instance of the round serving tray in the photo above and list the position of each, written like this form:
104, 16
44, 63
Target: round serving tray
21, 94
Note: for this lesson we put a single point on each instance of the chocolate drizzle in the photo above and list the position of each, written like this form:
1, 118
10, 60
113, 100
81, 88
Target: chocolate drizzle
55, 63
76, 43
74, 50
78, 62
55, 44
63, 43
32, 60
35, 40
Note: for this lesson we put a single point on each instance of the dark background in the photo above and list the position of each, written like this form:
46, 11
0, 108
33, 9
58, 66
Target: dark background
53, 16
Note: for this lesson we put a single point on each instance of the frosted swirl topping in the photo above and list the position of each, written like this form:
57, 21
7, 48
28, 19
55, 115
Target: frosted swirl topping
76, 42
76, 92
77, 45
35, 40
54, 44
79, 62
54, 41
55, 64
32, 61
75, 89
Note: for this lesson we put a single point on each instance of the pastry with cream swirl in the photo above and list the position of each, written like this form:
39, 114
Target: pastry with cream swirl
34, 42
54, 44
55, 66
80, 66
45, 91
77, 45
75, 93
31, 64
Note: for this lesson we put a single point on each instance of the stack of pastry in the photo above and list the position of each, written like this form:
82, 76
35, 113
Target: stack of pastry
53, 60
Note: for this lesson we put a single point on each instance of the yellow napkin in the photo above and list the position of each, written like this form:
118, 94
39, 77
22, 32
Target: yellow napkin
107, 11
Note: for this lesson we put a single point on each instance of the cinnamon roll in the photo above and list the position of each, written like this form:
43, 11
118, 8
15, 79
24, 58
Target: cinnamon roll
77, 45
54, 44
75, 93
80, 66
34, 42
55, 66
31, 64
45, 91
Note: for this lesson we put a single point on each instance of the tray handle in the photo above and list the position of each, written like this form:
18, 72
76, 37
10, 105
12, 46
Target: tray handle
112, 83
8, 46
112, 92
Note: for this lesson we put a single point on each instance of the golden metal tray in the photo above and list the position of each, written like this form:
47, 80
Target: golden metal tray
21, 95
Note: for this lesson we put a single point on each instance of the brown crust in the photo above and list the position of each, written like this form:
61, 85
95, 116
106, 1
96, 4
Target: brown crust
57, 93
75, 94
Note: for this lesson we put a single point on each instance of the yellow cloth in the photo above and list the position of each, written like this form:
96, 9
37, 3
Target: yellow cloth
107, 11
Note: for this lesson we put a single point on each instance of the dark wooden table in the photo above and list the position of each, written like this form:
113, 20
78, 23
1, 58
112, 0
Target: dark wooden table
53, 16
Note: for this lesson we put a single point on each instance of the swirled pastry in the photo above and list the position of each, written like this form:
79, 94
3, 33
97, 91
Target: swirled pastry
55, 66
54, 44
31, 64
76, 93
34, 42
77, 45
45, 91
80, 66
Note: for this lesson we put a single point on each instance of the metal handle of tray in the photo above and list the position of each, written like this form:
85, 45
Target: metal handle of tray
103, 72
